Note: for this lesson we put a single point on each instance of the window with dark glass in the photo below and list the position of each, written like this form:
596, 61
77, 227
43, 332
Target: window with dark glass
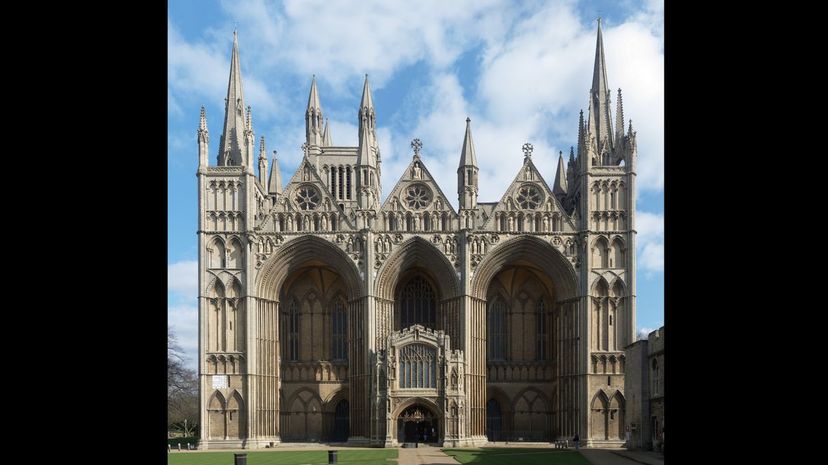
293, 331
540, 325
418, 367
418, 304
339, 321
497, 329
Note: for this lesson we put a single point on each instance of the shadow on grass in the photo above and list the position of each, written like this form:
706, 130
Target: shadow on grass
517, 456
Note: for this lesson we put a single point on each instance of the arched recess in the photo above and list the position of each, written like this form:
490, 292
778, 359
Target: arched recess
617, 254
311, 260
235, 416
302, 417
215, 416
530, 250
557, 279
335, 419
532, 416
618, 309
599, 320
235, 254
303, 252
615, 422
600, 253
418, 257
216, 316
598, 416
216, 254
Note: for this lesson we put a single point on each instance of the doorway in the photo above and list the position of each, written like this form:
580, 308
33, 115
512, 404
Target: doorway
418, 424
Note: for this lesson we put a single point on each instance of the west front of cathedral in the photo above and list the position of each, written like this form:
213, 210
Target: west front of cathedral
327, 314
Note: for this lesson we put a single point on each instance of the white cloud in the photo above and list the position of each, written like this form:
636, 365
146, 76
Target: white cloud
535, 72
643, 333
183, 319
650, 241
182, 278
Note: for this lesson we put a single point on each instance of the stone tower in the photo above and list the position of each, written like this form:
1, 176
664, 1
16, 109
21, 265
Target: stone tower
326, 315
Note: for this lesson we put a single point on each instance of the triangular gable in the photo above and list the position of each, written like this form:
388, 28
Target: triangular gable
417, 173
306, 174
529, 175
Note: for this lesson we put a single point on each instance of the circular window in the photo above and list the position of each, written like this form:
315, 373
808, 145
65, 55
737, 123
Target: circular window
417, 196
529, 196
307, 197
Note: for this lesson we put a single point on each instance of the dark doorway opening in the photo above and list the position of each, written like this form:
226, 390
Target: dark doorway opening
417, 424
341, 422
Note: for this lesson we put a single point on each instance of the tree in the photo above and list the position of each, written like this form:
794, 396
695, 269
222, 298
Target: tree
182, 390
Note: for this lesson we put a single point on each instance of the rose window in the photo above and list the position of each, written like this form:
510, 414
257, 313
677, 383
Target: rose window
529, 197
417, 196
307, 198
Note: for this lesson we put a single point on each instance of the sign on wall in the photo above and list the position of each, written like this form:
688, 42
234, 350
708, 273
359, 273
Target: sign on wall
220, 381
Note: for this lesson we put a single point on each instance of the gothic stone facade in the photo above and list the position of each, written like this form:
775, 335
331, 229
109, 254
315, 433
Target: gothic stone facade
325, 315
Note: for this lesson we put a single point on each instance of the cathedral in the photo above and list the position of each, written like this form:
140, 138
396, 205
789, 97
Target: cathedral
327, 314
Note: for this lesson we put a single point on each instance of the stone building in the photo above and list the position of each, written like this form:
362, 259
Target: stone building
329, 312
644, 388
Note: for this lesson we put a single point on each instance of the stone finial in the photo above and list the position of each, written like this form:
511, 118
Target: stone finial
527, 150
417, 145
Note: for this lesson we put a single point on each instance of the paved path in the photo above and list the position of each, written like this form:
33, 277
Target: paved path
424, 455
621, 457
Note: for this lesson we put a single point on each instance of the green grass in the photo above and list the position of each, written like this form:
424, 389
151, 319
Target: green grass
517, 456
285, 457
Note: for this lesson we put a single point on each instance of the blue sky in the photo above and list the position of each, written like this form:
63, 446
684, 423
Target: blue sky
520, 70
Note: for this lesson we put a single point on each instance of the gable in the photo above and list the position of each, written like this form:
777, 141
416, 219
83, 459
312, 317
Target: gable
417, 191
529, 194
306, 193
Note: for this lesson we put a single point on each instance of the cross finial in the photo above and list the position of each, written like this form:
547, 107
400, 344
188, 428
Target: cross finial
305, 149
527, 149
416, 144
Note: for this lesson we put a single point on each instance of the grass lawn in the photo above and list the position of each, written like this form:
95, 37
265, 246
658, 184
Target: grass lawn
517, 456
276, 457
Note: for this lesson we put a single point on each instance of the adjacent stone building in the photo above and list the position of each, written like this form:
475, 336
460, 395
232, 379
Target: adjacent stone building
644, 388
329, 312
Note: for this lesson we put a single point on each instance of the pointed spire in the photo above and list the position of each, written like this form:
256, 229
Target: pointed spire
581, 134
232, 143
326, 134
202, 122
313, 117
630, 131
367, 100
599, 112
559, 186
619, 118
365, 155
367, 141
203, 138
275, 184
467, 155
262, 163
313, 98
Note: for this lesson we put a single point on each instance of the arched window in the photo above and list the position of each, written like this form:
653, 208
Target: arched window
494, 420
418, 304
339, 341
540, 325
293, 331
418, 367
497, 329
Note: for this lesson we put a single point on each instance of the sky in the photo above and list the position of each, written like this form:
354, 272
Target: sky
520, 70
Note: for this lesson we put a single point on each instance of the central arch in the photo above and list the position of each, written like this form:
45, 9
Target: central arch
413, 259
